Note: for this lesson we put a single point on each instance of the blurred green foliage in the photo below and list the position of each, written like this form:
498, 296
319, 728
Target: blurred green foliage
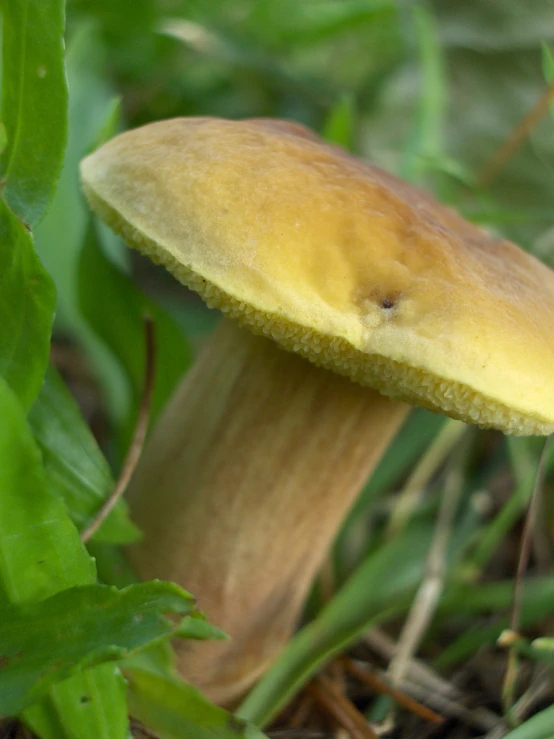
426, 89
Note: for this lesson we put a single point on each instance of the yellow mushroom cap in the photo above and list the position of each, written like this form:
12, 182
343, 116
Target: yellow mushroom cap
339, 261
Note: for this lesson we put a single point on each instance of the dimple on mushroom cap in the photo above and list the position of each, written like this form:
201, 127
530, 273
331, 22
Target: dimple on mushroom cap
339, 261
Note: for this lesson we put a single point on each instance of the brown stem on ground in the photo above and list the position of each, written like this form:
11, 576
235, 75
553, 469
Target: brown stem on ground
242, 488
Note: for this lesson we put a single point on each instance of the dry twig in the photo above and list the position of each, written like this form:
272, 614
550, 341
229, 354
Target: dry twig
378, 685
516, 138
137, 443
510, 678
302, 712
527, 536
424, 684
342, 710
418, 672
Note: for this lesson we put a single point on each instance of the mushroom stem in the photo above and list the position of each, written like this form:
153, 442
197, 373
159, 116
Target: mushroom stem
241, 489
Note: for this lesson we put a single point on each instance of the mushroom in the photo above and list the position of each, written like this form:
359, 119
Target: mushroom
371, 287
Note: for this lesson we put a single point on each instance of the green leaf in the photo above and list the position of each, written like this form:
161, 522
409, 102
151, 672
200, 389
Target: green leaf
540, 650
117, 318
524, 462
425, 145
539, 726
197, 626
492, 27
42, 643
416, 435
34, 104
113, 567
110, 124
60, 235
40, 550
548, 68
548, 63
27, 302
76, 470
307, 23
493, 599
175, 710
159, 659
93, 704
544, 647
379, 589
341, 122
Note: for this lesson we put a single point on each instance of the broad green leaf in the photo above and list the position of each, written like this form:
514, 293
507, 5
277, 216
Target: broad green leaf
76, 470
40, 550
34, 104
114, 569
42, 643
379, 589
159, 659
27, 302
115, 309
60, 234
175, 710
90, 705
3, 135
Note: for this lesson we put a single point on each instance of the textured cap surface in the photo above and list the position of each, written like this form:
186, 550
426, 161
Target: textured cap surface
337, 260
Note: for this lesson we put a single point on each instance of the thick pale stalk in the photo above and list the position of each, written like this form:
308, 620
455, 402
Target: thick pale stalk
242, 488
